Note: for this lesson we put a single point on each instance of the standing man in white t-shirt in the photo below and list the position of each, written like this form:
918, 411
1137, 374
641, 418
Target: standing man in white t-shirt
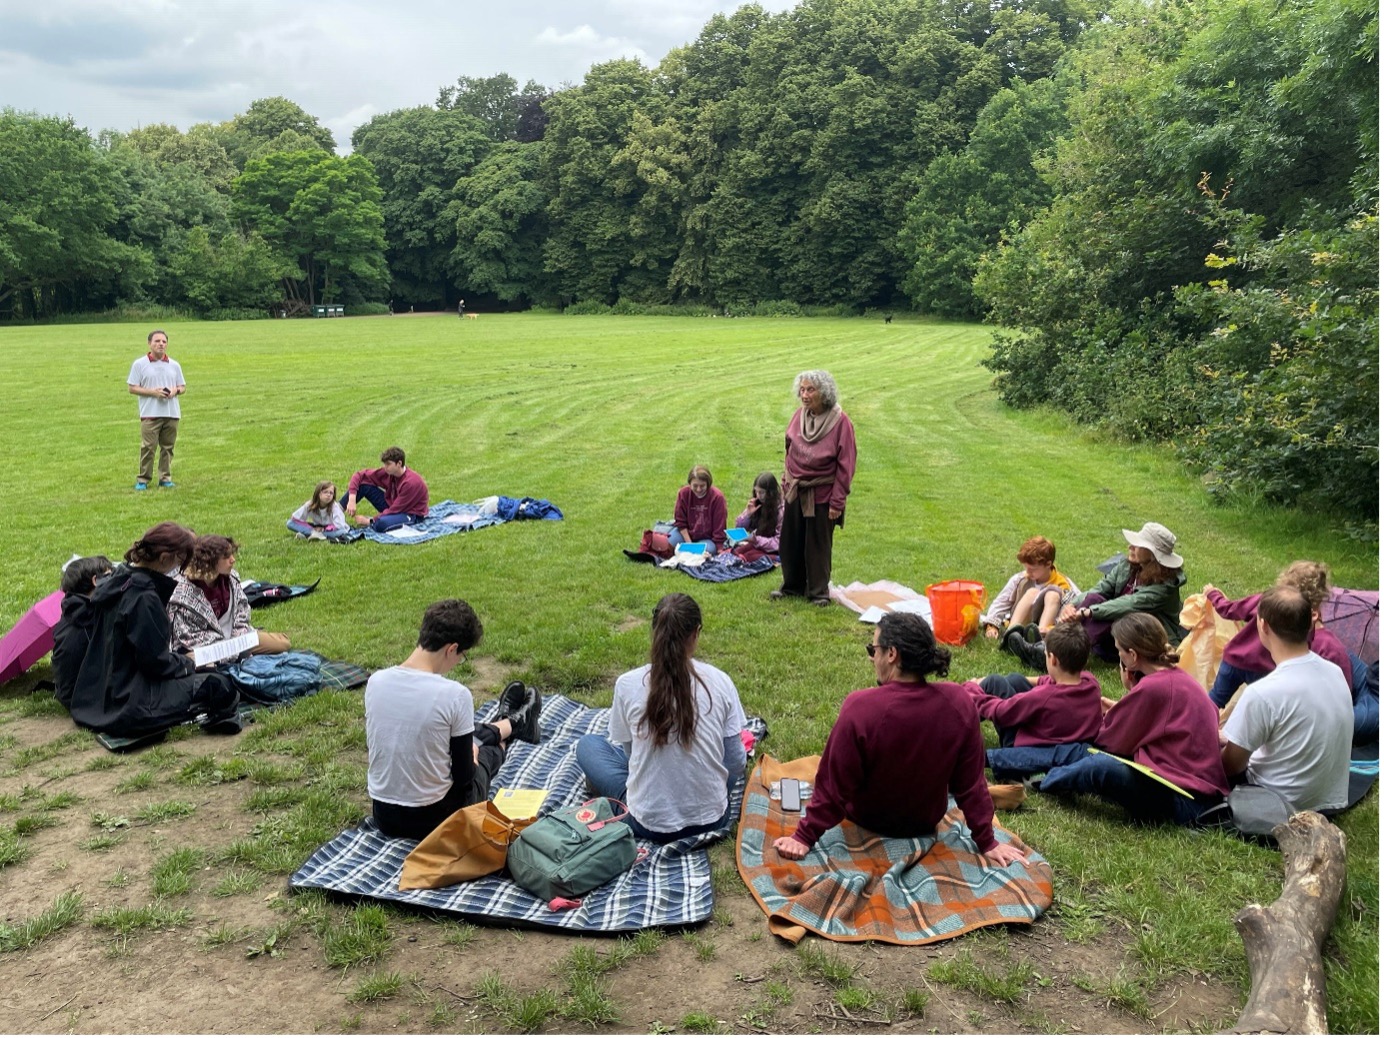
1292, 729
157, 379
427, 756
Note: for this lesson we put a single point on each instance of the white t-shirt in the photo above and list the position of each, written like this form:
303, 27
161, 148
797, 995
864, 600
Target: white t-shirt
1298, 722
157, 375
411, 716
671, 787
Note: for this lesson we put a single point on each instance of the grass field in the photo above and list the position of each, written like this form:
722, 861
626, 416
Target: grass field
604, 416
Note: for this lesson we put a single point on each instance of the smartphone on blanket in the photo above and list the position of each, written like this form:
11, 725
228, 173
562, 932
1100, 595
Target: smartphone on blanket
791, 795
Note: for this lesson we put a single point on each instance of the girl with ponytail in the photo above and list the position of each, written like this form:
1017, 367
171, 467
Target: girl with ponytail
674, 750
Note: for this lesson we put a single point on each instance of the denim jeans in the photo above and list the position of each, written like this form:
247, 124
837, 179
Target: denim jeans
1011, 763
1228, 679
607, 768
1142, 798
1366, 695
383, 523
1005, 686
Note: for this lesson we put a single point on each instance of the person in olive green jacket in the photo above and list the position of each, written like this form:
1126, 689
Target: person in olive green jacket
1148, 580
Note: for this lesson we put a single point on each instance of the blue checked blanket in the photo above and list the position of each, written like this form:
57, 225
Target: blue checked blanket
723, 567
445, 517
669, 887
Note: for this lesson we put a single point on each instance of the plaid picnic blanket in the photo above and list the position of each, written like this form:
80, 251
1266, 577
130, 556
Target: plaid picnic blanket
857, 886
669, 887
444, 518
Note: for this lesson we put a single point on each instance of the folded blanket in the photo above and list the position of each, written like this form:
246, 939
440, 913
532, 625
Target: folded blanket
728, 566
669, 887
855, 885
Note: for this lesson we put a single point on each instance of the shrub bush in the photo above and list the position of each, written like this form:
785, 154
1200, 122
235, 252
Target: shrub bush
367, 309
587, 308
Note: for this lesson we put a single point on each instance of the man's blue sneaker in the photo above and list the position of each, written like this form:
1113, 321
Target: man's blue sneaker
141, 485
167, 483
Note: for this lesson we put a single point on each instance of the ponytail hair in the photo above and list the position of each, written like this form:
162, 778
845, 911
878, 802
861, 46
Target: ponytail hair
1146, 637
919, 653
158, 541
671, 709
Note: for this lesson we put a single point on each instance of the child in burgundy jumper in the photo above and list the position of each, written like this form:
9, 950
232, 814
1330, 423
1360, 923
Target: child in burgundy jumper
1062, 706
1245, 659
1165, 722
700, 511
897, 750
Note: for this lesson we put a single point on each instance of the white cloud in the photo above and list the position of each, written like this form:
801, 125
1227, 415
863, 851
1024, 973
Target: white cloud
122, 63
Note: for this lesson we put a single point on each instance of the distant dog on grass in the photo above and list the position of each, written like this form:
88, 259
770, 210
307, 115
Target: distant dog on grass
472, 315
888, 318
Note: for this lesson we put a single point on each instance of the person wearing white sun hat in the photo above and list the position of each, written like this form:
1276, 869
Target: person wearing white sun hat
1148, 580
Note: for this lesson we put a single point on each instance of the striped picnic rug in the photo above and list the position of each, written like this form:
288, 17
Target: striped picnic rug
671, 886
857, 886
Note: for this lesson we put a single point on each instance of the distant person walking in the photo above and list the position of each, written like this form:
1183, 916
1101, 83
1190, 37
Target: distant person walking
157, 379
461, 307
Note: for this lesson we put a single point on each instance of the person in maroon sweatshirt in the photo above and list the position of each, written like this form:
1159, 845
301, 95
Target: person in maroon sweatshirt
897, 750
818, 466
1166, 722
398, 493
1062, 706
1245, 659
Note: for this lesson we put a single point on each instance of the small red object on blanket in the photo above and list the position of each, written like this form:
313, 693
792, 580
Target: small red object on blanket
563, 904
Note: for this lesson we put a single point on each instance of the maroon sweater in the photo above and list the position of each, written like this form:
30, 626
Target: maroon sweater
1247, 652
892, 756
1168, 723
403, 495
703, 517
1048, 714
833, 455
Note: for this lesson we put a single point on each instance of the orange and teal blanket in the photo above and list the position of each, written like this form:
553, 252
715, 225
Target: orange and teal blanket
855, 885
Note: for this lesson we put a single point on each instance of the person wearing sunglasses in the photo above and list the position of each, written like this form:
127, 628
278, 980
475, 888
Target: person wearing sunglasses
898, 749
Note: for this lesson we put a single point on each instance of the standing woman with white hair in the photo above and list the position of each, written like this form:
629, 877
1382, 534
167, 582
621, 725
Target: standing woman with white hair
818, 466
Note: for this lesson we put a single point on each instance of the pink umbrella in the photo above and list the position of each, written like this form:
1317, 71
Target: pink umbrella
31, 639
1353, 617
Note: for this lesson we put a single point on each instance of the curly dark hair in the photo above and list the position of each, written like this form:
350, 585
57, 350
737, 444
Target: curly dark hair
207, 551
449, 621
919, 653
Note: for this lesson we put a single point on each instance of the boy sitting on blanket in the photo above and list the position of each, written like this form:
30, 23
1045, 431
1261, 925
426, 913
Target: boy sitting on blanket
398, 493
897, 750
1062, 706
428, 757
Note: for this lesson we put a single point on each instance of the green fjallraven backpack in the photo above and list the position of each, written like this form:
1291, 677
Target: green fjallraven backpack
571, 852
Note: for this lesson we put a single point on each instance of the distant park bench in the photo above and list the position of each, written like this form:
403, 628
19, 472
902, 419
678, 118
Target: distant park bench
328, 310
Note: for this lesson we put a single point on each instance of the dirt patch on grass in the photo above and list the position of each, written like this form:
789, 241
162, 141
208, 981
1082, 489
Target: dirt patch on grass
248, 957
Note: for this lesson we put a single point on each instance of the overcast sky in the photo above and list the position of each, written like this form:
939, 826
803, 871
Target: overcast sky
123, 63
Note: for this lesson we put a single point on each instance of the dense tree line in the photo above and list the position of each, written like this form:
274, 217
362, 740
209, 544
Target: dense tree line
1168, 206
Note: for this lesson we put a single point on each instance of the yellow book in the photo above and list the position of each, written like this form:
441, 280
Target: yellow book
520, 803
1144, 769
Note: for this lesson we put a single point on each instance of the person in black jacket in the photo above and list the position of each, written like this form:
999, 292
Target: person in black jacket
128, 682
72, 632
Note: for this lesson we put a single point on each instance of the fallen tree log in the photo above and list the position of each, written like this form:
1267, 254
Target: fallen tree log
1283, 942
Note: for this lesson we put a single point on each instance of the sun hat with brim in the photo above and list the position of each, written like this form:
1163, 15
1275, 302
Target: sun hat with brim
1159, 540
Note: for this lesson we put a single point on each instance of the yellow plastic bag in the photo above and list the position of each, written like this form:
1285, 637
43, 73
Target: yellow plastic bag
1201, 651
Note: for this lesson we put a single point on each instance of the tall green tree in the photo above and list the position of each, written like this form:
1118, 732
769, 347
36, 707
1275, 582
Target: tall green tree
57, 210
322, 212
589, 239
967, 199
501, 223
419, 155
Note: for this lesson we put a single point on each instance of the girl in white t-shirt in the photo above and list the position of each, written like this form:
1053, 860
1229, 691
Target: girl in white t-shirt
321, 514
674, 750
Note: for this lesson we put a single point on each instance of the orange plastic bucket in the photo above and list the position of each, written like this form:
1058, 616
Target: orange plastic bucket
956, 608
